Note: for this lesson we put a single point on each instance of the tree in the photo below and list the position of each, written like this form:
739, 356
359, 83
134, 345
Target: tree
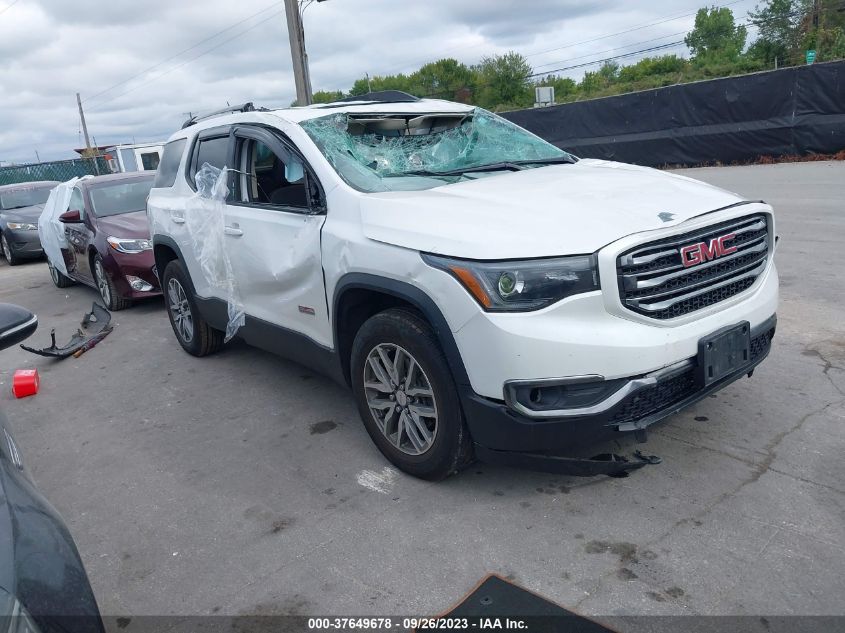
327, 96
442, 79
715, 36
504, 81
778, 23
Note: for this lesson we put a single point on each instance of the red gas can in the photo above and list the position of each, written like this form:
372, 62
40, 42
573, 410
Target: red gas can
25, 383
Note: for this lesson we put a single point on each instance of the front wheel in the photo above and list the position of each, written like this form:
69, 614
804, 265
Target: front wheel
193, 332
8, 253
406, 395
108, 291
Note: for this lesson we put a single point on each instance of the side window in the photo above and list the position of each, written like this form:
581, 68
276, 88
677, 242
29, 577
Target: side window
168, 168
77, 203
270, 179
213, 151
150, 161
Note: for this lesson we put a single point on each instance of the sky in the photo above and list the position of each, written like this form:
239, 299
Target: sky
142, 65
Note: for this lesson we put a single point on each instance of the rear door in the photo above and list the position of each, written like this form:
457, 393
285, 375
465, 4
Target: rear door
78, 235
274, 215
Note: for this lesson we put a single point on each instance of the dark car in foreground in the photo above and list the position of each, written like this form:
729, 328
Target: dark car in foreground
20, 206
108, 239
43, 584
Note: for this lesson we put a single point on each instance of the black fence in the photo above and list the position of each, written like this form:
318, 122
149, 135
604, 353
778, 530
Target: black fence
60, 170
790, 111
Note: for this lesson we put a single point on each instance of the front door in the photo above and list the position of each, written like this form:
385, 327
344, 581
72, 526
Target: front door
273, 219
78, 236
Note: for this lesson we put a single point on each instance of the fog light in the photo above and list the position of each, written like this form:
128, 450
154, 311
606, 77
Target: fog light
560, 396
138, 284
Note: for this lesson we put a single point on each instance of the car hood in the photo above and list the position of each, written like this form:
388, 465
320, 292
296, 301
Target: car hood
538, 212
132, 224
24, 214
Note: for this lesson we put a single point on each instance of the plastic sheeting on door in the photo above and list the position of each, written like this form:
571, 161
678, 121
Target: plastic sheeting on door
51, 232
206, 226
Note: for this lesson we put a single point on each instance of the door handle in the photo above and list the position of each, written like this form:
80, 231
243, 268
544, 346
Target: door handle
177, 219
233, 230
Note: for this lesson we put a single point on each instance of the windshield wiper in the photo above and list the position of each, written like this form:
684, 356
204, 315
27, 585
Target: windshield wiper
512, 165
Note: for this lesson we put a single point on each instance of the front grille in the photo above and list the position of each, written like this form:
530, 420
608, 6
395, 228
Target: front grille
654, 281
667, 393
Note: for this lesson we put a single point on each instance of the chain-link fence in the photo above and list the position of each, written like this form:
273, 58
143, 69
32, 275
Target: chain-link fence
60, 170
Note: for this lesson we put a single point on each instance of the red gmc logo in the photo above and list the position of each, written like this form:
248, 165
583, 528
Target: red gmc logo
695, 254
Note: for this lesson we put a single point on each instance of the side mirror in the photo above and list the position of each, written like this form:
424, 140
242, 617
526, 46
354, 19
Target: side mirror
71, 217
16, 324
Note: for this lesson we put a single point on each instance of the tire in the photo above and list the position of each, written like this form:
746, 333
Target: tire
60, 280
8, 253
400, 333
108, 291
193, 332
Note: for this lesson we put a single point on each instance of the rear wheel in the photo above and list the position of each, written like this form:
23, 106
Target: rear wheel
108, 291
60, 280
406, 395
193, 332
8, 253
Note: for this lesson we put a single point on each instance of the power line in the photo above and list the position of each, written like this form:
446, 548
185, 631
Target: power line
2, 11
607, 59
188, 61
610, 50
635, 28
180, 53
639, 27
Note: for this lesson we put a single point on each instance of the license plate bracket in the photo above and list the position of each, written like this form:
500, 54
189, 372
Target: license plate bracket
723, 353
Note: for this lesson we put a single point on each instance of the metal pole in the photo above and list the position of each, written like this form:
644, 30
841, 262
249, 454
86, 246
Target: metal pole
297, 53
85, 131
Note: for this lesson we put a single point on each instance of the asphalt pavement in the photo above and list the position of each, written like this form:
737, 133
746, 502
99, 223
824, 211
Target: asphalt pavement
245, 484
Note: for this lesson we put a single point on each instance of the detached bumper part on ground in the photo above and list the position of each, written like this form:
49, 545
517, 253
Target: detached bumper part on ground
93, 329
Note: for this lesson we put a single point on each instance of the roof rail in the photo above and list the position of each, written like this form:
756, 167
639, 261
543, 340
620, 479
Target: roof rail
244, 107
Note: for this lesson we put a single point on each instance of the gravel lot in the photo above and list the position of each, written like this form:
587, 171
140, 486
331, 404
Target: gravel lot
242, 483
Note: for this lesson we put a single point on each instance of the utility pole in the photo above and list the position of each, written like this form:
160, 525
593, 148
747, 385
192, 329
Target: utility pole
297, 53
85, 131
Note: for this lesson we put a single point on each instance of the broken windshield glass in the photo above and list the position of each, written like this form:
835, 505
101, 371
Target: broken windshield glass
409, 151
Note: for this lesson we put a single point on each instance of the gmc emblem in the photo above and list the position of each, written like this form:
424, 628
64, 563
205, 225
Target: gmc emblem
695, 254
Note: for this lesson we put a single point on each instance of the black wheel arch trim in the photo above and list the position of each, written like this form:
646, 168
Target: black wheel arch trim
412, 295
169, 242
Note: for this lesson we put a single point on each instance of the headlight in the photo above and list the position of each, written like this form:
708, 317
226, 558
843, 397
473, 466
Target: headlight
22, 226
519, 286
127, 245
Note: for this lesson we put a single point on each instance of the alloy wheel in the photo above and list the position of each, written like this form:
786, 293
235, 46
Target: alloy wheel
400, 398
180, 310
102, 282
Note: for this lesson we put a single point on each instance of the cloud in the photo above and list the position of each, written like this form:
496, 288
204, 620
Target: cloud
50, 49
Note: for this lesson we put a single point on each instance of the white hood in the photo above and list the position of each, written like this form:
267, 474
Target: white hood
554, 210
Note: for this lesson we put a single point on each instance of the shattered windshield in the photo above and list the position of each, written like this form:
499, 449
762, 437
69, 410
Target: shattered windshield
391, 152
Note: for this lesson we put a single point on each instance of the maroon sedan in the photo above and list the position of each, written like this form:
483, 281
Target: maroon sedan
109, 239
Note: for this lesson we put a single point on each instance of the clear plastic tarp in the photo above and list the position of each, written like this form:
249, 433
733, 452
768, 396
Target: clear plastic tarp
375, 153
51, 232
206, 226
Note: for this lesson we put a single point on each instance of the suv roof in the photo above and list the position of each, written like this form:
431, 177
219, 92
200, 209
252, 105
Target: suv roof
366, 104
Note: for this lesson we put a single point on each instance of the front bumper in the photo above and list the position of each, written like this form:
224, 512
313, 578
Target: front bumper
505, 436
138, 265
24, 243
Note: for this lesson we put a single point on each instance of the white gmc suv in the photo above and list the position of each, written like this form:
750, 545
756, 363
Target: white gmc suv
483, 292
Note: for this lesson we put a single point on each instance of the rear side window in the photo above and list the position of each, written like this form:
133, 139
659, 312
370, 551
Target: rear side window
169, 165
